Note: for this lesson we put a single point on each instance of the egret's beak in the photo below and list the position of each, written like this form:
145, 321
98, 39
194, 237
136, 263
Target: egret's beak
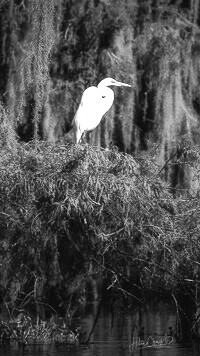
120, 84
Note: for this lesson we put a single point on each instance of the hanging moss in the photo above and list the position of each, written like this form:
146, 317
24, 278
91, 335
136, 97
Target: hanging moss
50, 54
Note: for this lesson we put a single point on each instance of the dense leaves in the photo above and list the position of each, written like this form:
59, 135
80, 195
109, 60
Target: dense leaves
69, 213
24, 331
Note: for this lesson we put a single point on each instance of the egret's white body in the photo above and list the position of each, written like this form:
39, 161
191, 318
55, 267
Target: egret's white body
95, 102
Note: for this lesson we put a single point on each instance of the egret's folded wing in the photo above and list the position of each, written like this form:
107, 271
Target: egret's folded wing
87, 115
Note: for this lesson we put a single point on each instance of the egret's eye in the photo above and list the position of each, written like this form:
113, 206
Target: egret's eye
103, 96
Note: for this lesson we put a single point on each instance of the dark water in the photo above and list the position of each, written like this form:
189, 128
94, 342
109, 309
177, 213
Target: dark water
116, 340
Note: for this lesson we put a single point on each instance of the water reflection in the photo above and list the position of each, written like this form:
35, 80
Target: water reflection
113, 341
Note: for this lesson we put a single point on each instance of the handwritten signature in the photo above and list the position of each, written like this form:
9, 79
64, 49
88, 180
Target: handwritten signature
151, 342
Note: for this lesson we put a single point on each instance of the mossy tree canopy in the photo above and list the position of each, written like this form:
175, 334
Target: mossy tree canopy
51, 52
70, 212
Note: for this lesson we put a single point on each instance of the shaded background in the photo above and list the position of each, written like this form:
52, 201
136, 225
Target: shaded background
52, 50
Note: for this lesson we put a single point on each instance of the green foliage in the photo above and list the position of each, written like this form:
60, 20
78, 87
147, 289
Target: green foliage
7, 132
72, 212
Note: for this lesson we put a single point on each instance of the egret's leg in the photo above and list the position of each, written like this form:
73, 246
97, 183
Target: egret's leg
89, 136
83, 137
78, 136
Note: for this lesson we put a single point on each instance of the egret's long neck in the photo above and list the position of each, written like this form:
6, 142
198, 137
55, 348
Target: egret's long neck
103, 84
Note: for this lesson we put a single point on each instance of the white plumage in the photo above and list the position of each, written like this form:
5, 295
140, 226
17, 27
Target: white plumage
95, 102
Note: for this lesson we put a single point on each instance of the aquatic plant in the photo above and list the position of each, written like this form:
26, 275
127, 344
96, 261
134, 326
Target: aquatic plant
25, 331
71, 213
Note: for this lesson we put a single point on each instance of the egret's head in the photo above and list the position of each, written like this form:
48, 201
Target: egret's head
110, 81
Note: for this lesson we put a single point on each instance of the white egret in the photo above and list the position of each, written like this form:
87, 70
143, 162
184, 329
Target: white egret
95, 102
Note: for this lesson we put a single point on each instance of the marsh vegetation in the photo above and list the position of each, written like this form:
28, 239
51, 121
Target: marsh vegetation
123, 210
